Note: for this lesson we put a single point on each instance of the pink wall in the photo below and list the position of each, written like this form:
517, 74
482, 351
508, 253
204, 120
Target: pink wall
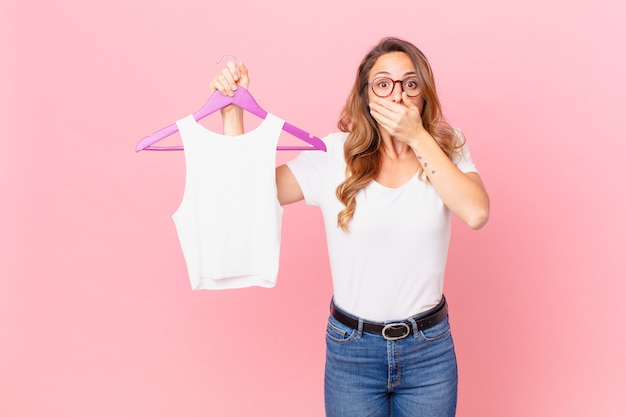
96, 314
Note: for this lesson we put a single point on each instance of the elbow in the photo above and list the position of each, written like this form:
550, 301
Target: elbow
478, 218
478, 222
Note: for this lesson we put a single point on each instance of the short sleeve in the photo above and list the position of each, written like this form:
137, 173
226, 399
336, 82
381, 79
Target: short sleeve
463, 159
313, 169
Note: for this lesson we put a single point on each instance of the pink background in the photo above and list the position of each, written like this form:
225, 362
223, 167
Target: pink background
97, 317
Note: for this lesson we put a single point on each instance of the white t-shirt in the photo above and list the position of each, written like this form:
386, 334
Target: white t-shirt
390, 264
229, 220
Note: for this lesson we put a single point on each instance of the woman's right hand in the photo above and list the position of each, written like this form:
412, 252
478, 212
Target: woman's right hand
231, 77
226, 82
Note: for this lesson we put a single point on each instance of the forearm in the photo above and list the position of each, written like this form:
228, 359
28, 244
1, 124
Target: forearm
463, 193
232, 121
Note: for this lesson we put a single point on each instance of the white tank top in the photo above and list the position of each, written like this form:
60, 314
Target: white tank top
229, 220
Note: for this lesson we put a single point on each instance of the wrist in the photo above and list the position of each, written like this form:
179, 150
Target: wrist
232, 120
231, 111
419, 139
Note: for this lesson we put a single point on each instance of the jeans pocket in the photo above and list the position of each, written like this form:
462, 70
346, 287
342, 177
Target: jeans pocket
338, 332
439, 331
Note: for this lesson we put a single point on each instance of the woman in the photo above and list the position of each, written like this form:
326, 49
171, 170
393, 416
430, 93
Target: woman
386, 188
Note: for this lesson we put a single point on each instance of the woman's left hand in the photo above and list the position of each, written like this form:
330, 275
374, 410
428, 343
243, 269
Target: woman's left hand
402, 121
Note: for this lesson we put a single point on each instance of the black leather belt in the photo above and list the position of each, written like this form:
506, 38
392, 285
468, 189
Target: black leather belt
396, 330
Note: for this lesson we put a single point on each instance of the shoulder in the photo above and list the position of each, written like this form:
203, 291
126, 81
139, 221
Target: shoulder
335, 140
320, 160
463, 159
459, 137
334, 147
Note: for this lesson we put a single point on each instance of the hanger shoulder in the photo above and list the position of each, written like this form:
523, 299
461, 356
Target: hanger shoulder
242, 98
316, 142
147, 142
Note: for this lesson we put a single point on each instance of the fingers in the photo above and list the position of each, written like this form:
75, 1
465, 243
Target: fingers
227, 80
377, 112
397, 119
383, 110
231, 75
244, 80
407, 101
395, 111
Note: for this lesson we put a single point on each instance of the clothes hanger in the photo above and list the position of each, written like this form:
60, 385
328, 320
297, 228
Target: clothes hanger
217, 101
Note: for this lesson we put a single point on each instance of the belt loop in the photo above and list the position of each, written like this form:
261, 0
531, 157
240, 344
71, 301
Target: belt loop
359, 331
414, 326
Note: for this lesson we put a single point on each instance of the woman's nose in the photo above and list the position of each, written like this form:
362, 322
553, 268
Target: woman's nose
396, 93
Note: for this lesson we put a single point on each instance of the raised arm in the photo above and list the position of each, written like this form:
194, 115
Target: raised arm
226, 82
463, 193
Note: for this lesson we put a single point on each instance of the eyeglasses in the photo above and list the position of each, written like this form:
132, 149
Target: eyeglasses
383, 86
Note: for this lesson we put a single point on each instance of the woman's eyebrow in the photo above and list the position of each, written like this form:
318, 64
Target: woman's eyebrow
389, 74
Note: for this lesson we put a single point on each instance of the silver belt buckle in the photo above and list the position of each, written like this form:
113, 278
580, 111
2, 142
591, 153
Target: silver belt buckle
395, 326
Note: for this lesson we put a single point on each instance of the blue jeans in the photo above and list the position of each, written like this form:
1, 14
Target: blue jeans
368, 376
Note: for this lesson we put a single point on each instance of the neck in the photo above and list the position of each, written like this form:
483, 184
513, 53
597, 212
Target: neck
394, 149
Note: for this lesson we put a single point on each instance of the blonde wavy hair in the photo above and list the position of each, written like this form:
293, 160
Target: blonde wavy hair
362, 150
